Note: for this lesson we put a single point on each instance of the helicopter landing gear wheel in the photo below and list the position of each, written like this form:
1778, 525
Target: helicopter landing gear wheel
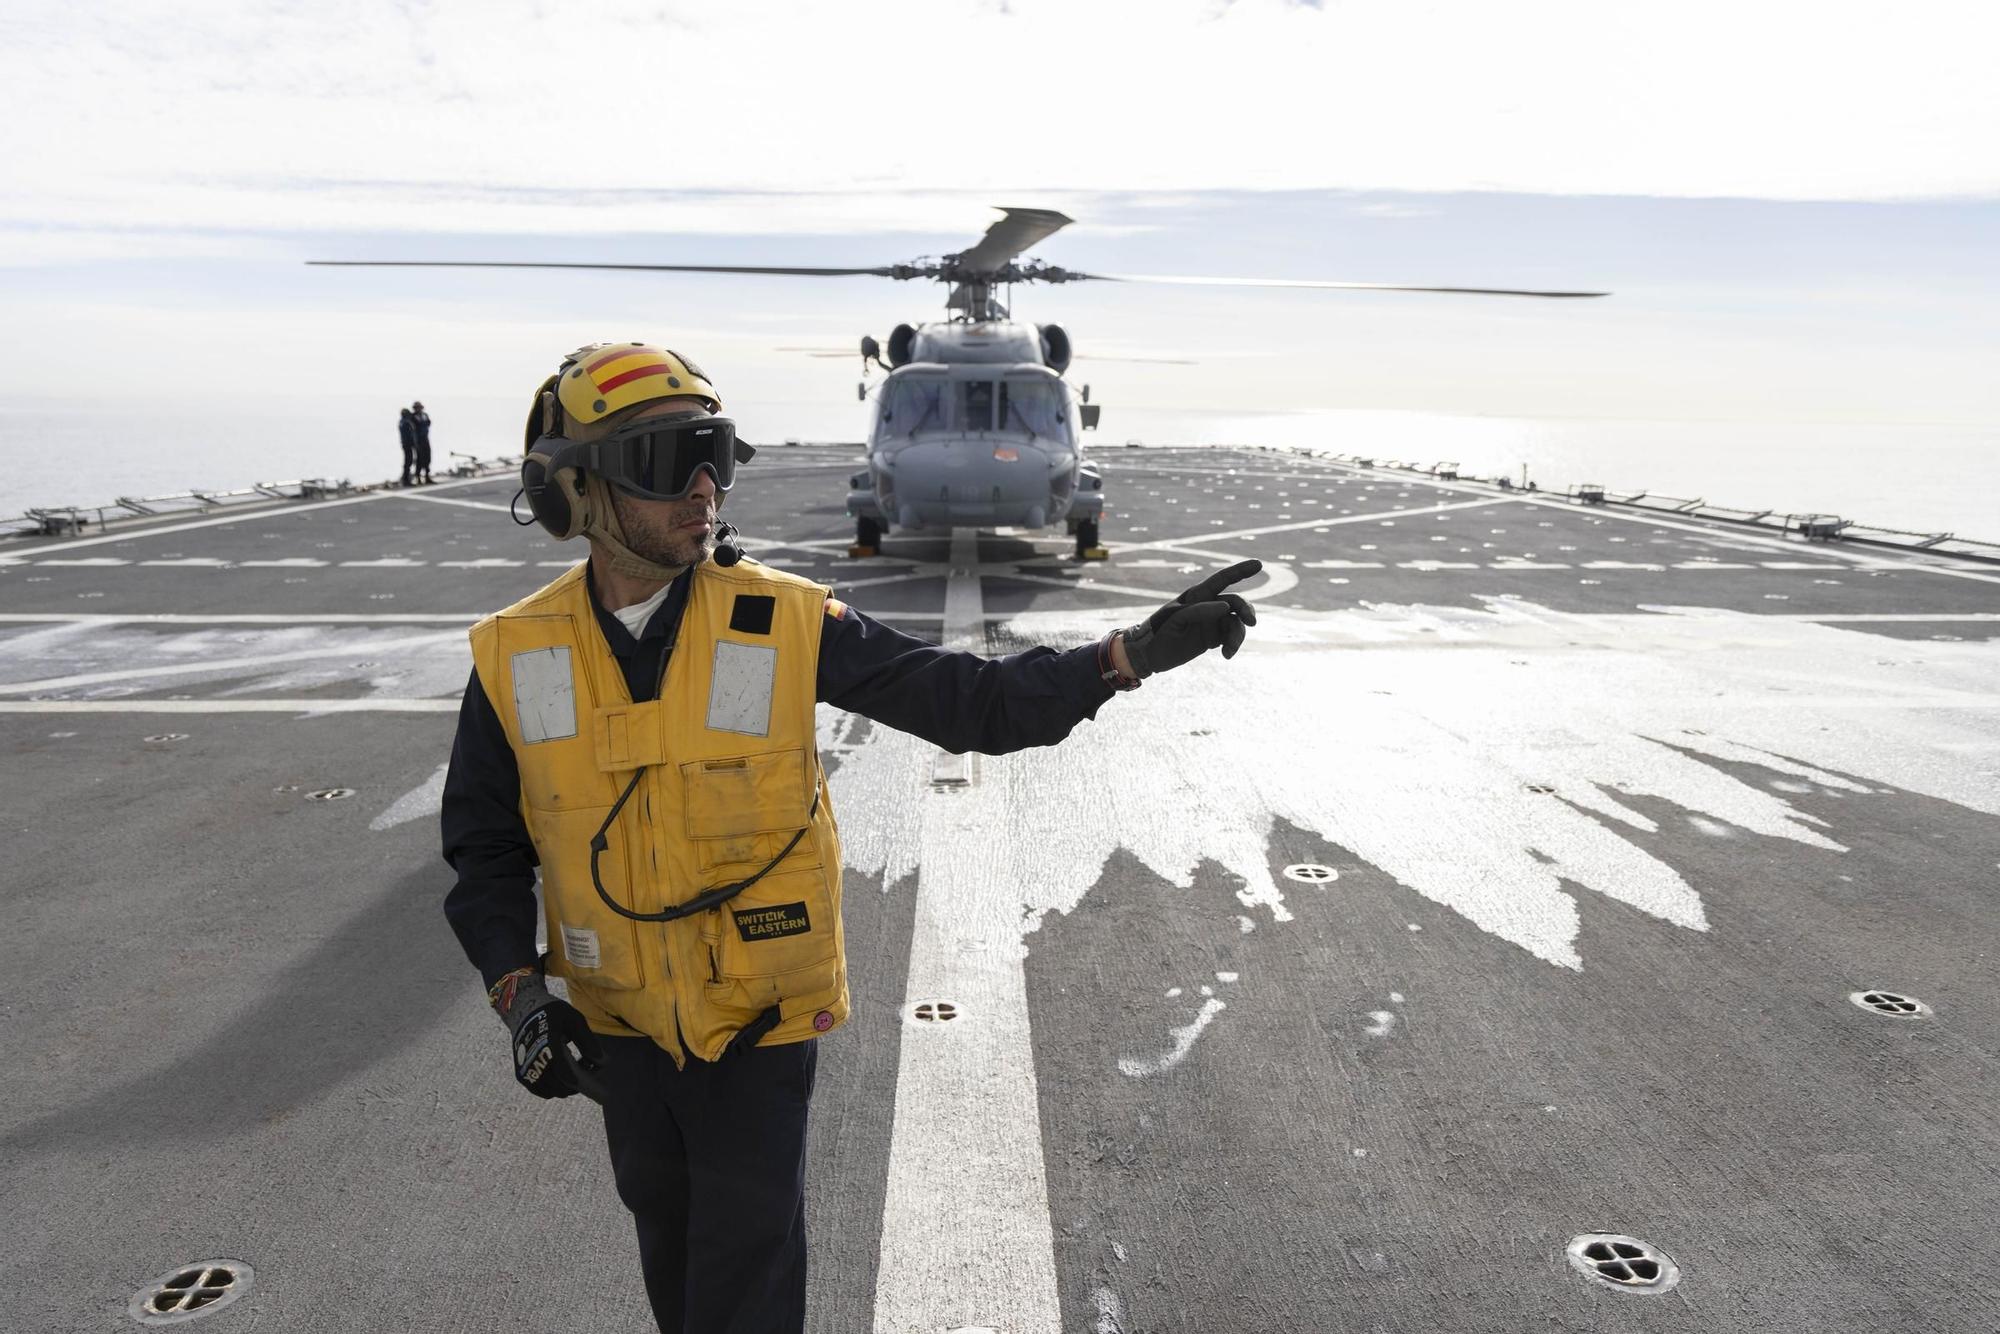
1086, 541
867, 539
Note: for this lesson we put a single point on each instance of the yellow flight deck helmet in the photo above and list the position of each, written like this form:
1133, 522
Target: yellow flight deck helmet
599, 379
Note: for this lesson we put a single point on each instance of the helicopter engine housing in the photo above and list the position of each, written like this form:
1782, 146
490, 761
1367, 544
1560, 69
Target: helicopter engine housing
902, 341
1055, 347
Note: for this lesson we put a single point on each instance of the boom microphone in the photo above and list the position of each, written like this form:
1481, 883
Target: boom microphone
727, 549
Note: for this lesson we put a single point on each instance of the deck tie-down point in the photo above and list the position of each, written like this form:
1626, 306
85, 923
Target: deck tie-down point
191, 1291
1889, 1003
1623, 1262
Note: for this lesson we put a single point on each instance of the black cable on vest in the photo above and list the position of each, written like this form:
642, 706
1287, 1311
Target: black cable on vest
701, 902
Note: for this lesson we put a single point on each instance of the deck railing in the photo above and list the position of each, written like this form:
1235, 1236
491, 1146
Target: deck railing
1805, 527
73, 520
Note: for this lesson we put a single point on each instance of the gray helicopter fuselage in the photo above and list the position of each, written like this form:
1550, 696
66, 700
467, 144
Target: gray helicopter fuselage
975, 431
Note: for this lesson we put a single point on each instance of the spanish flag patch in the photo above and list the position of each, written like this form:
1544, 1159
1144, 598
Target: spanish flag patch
836, 609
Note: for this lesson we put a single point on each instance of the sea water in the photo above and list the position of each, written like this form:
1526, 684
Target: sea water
1923, 477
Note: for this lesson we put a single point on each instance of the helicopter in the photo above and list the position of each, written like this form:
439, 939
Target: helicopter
974, 424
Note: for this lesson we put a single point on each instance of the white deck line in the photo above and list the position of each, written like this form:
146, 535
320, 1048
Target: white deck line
1322, 521
224, 665
239, 618
966, 1239
453, 500
377, 705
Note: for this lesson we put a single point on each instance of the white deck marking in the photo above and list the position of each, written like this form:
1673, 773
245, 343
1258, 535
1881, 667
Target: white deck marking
1322, 521
1431, 765
382, 563
929, 572
373, 704
239, 618
223, 664
966, 1238
1881, 616
1183, 1043
427, 798
453, 500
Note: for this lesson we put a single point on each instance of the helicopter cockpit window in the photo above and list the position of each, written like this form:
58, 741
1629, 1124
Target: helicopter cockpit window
975, 405
910, 405
1032, 407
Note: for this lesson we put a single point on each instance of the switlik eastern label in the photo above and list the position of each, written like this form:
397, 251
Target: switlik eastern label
779, 919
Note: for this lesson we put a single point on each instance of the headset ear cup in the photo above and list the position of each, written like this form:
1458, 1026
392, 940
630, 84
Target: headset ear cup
576, 501
555, 497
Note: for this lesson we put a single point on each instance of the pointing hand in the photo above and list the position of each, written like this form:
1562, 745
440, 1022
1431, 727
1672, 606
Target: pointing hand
1193, 623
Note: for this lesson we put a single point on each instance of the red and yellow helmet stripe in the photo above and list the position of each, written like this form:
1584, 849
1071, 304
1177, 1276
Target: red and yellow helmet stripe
601, 379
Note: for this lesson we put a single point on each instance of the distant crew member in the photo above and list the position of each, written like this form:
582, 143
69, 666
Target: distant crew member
643, 729
407, 427
421, 420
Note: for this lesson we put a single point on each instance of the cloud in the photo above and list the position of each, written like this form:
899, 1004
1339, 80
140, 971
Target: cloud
512, 114
1387, 210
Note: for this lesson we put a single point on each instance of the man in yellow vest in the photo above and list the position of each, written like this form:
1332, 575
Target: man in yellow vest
643, 730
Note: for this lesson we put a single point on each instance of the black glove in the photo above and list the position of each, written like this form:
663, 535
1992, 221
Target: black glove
544, 1029
1194, 623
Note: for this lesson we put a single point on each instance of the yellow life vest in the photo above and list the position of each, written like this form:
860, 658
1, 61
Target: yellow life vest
732, 772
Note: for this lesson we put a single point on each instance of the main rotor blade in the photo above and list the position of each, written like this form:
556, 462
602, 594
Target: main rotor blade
1135, 361
1012, 234
882, 272
1309, 282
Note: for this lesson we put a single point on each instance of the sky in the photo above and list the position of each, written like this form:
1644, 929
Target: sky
1793, 204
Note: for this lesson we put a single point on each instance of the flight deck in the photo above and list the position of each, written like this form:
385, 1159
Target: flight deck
1537, 870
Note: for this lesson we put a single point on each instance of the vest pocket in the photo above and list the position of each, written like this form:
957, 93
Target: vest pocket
775, 940
742, 810
588, 942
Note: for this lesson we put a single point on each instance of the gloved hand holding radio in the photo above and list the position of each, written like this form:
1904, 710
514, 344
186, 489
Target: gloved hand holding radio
544, 1028
1198, 620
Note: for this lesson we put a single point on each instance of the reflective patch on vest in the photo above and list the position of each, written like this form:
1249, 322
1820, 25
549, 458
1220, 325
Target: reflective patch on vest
751, 613
739, 689
544, 694
580, 947
780, 919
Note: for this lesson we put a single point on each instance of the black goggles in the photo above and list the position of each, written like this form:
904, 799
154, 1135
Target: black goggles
659, 459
